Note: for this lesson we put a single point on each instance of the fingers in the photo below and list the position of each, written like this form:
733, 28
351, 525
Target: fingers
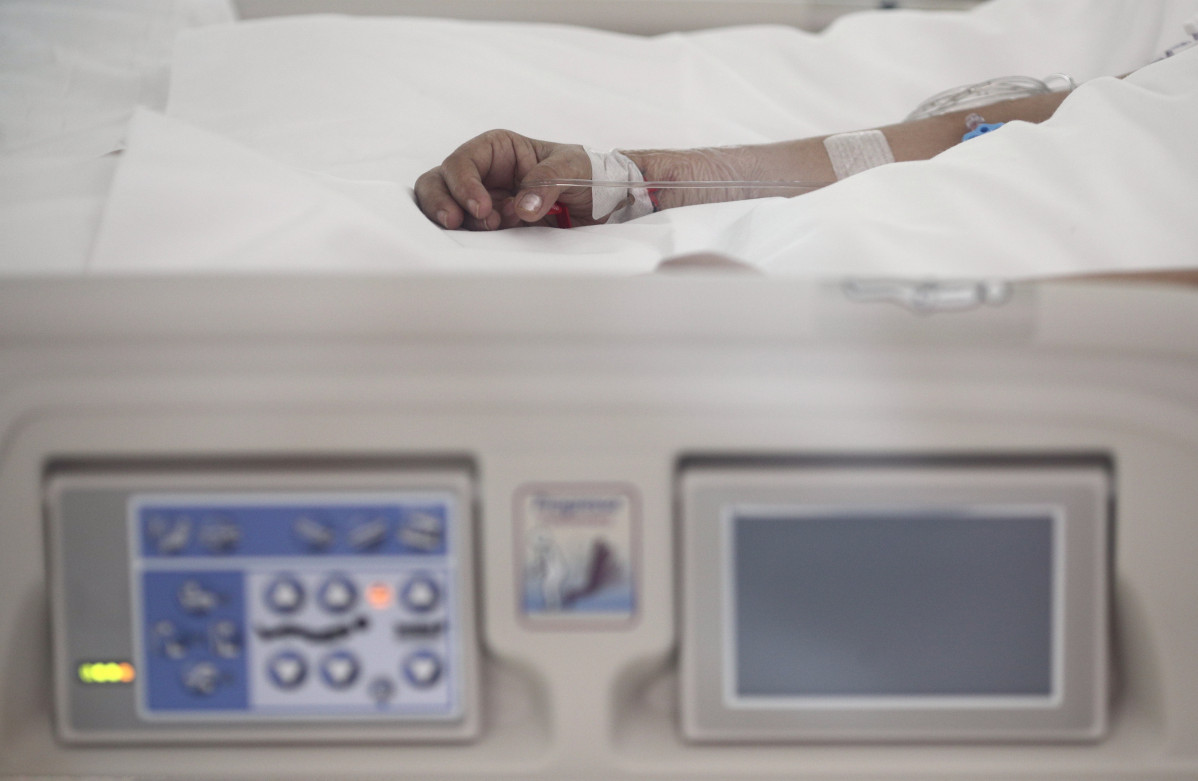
433, 198
479, 186
455, 194
480, 159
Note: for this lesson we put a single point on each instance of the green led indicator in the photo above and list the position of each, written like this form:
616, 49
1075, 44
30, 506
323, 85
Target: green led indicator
106, 672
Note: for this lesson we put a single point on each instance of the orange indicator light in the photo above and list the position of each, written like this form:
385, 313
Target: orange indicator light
379, 595
107, 672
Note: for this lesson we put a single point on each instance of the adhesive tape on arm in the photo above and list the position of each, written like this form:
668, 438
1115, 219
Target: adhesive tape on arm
852, 153
614, 202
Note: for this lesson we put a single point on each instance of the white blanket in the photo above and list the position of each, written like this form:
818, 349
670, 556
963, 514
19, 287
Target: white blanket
71, 75
292, 143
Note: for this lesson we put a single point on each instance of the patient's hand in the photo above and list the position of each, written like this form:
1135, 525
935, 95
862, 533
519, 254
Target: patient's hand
479, 186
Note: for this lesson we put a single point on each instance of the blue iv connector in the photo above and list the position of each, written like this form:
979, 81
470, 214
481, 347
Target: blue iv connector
981, 129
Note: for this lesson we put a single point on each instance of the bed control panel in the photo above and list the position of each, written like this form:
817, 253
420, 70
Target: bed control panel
339, 606
284, 605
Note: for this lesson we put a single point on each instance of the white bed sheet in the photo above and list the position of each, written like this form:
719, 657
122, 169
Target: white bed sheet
292, 143
71, 75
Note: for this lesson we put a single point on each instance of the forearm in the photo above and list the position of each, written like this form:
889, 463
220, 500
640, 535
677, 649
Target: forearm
923, 139
802, 160
806, 160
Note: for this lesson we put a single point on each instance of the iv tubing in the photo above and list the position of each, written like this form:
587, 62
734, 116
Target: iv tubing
680, 185
984, 93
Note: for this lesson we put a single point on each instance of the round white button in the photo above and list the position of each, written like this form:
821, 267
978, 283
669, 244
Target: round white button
422, 669
338, 594
285, 594
339, 669
421, 594
287, 669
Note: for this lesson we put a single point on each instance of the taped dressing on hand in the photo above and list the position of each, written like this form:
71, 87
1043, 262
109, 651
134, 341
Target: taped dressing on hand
618, 204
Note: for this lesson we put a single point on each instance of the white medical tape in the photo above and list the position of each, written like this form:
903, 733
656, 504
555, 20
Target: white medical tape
852, 153
613, 202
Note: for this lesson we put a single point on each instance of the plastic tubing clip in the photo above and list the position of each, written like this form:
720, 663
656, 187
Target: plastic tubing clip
562, 214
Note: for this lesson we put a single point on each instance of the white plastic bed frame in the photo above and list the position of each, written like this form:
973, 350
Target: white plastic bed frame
609, 381
624, 16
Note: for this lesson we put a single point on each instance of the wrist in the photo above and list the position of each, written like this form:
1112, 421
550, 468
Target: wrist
803, 161
711, 164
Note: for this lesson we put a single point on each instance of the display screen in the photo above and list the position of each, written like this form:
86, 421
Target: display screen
869, 604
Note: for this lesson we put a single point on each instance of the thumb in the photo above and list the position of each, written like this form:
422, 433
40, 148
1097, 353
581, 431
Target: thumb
537, 194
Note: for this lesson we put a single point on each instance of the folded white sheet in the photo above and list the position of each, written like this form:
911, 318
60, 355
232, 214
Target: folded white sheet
291, 143
71, 72
71, 75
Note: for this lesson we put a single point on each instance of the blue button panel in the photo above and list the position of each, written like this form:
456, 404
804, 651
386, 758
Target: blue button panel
276, 606
173, 529
194, 640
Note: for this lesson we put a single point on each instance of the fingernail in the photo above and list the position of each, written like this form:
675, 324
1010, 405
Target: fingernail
473, 206
443, 218
531, 203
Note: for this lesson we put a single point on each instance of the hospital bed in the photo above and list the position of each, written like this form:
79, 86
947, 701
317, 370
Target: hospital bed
397, 517
625, 16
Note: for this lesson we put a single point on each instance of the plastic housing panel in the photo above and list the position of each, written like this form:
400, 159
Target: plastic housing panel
284, 605
589, 383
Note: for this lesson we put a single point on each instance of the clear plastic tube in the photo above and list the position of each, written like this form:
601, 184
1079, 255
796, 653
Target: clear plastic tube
776, 186
986, 92
689, 193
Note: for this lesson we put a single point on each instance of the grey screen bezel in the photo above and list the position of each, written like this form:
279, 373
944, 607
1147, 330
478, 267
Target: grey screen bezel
1076, 496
